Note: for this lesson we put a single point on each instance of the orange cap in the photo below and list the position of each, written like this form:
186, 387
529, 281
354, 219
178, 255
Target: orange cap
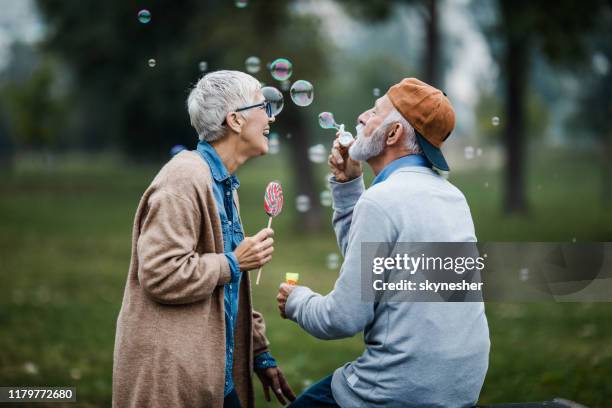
426, 108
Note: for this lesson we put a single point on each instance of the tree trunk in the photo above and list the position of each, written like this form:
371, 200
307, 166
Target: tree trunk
305, 183
516, 65
432, 46
606, 174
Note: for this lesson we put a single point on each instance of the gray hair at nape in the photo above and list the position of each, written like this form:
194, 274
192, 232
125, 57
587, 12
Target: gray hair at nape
214, 96
411, 142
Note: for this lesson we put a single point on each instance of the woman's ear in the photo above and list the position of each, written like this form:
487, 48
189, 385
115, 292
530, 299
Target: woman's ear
395, 134
234, 121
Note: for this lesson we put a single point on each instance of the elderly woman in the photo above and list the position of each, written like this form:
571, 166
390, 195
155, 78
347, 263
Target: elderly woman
187, 335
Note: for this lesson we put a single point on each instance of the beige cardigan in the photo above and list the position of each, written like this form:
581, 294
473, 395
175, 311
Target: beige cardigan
170, 340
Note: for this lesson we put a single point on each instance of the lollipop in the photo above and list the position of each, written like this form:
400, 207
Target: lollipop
273, 204
327, 121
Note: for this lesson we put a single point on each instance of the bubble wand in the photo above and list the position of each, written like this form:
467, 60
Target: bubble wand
273, 204
327, 121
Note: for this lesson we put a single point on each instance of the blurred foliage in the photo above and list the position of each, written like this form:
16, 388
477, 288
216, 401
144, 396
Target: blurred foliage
37, 113
142, 109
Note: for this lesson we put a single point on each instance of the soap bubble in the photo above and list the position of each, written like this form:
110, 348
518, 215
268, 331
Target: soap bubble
302, 203
524, 274
275, 97
600, 64
468, 152
285, 85
144, 16
495, 120
152, 62
281, 69
176, 149
273, 143
326, 120
376, 92
288, 136
203, 66
326, 198
242, 3
30, 368
486, 184
75, 373
302, 93
252, 65
479, 152
317, 153
333, 261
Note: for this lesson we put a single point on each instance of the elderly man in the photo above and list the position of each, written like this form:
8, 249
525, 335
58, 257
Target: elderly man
186, 333
428, 354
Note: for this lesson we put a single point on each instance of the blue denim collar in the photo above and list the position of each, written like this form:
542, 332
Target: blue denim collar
217, 168
410, 160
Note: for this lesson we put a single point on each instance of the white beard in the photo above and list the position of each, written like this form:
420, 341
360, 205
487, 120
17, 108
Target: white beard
365, 148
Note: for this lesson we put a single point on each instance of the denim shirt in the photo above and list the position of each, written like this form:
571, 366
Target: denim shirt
223, 189
405, 161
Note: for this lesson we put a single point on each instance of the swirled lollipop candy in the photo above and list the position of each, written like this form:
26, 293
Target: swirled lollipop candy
327, 121
273, 205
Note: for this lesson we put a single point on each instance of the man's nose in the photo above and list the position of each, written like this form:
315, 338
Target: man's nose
362, 118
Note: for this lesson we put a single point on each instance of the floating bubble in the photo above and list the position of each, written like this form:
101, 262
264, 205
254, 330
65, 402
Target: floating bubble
326, 120
285, 85
468, 152
152, 62
376, 92
252, 65
333, 261
574, 240
203, 66
307, 383
302, 203
30, 368
495, 120
176, 149
325, 198
281, 69
524, 274
600, 62
242, 3
144, 16
317, 153
273, 143
275, 97
75, 373
486, 184
479, 152
288, 136
302, 93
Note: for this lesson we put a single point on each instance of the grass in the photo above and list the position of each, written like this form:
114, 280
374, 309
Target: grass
65, 247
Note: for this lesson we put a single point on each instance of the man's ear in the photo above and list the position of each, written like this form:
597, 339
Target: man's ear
394, 134
234, 121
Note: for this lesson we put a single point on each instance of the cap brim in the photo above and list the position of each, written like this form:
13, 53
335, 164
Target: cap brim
433, 154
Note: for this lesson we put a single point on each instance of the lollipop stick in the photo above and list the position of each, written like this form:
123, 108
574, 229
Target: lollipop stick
259, 271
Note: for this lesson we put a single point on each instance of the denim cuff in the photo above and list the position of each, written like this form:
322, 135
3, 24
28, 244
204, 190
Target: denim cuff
265, 360
234, 267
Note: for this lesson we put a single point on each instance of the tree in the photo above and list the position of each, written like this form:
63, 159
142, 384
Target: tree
381, 10
142, 109
520, 28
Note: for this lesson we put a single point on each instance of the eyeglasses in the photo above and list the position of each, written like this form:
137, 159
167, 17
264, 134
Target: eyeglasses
262, 105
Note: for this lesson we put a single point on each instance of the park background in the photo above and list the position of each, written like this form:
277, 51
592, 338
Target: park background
86, 122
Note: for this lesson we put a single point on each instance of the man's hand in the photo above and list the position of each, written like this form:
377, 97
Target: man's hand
256, 251
283, 294
273, 378
342, 166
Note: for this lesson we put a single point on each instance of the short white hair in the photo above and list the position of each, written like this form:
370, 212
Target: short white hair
411, 142
214, 96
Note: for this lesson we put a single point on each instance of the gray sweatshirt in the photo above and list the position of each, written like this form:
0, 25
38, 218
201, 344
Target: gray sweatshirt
419, 354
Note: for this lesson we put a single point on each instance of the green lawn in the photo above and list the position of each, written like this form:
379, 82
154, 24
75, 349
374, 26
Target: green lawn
64, 252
